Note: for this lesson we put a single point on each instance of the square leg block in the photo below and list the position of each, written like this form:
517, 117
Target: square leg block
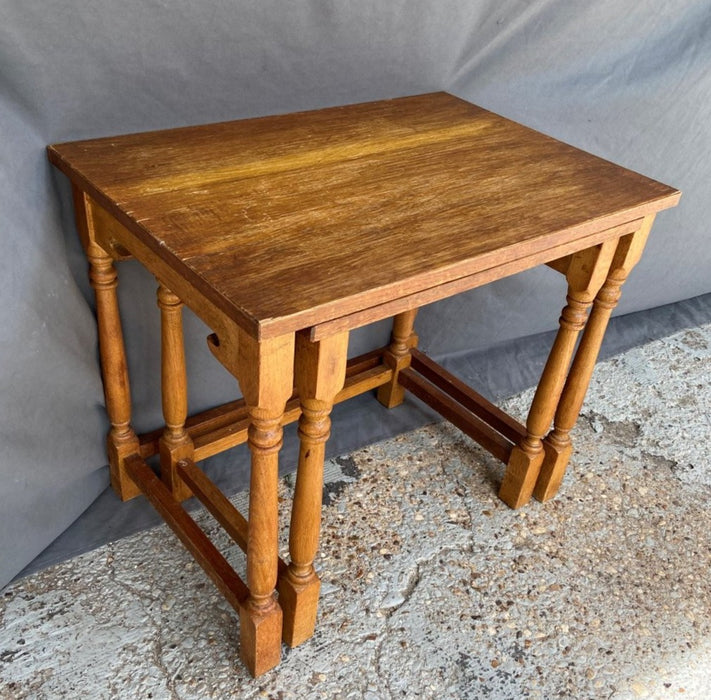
552, 471
520, 478
260, 638
300, 606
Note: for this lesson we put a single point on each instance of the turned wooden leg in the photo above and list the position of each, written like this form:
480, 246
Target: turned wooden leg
557, 445
585, 274
175, 443
320, 371
397, 356
266, 380
122, 440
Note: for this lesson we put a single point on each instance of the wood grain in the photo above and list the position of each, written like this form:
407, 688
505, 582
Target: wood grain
446, 188
121, 442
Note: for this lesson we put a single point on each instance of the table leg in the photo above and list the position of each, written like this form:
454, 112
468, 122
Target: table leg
266, 379
397, 356
175, 443
585, 274
122, 441
320, 372
557, 445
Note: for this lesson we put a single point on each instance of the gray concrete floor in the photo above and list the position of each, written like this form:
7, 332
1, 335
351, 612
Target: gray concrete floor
432, 588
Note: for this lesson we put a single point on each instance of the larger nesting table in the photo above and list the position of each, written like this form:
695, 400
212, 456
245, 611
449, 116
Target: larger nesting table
283, 234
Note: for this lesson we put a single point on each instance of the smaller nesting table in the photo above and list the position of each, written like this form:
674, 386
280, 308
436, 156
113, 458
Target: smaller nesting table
283, 234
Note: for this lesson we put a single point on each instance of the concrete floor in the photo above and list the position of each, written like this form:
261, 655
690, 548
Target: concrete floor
432, 588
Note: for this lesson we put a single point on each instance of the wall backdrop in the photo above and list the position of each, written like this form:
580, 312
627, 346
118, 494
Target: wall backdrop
626, 80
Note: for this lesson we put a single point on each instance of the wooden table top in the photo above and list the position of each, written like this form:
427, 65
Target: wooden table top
289, 221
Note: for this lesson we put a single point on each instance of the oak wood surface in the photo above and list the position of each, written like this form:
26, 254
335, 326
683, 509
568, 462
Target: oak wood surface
219, 506
246, 210
266, 376
403, 340
446, 289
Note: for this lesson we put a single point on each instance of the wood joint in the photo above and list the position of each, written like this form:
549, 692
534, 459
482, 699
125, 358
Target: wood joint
106, 230
222, 427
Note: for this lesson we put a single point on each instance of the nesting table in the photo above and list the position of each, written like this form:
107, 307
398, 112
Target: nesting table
283, 234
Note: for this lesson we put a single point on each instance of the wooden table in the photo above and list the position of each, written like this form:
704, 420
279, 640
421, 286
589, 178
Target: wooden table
286, 232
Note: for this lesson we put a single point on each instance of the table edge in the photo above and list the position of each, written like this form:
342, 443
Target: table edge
346, 306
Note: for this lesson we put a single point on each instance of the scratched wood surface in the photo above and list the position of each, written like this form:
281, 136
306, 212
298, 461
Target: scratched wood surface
289, 221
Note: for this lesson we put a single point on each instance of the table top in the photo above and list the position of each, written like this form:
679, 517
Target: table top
289, 221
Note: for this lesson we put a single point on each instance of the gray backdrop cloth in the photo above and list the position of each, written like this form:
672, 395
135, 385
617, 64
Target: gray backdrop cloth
626, 80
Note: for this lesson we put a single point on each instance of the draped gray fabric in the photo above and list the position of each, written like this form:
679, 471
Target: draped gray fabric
626, 80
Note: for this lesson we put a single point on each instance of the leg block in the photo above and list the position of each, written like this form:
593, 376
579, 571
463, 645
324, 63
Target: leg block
392, 394
300, 605
553, 469
169, 458
520, 478
260, 637
117, 452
